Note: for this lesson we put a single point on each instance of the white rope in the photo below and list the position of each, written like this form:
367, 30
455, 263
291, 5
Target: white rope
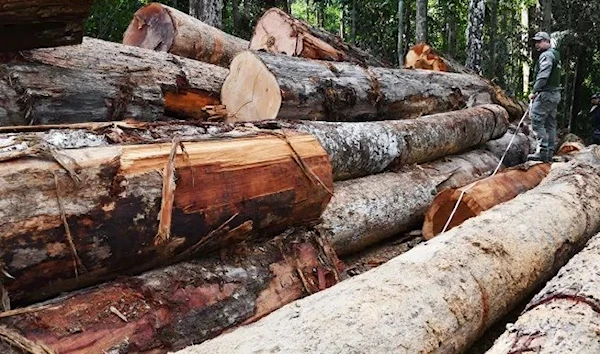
462, 193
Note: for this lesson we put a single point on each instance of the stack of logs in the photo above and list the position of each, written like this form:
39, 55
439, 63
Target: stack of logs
160, 192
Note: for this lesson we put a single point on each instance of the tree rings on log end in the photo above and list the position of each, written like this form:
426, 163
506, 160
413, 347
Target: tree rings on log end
275, 34
441, 208
151, 28
250, 91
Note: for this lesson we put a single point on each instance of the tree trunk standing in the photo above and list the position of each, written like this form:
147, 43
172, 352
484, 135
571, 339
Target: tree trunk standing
479, 196
476, 19
400, 46
163, 28
104, 81
563, 317
580, 74
208, 11
353, 23
167, 309
235, 14
263, 86
30, 24
451, 41
492, 45
421, 22
546, 15
440, 296
124, 217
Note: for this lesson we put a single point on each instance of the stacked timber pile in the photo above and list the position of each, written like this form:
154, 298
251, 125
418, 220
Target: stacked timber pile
186, 183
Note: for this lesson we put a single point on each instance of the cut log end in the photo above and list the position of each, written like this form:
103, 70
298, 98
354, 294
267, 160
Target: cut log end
421, 56
570, 148
441, 209
250, 91
276, 34
151, 28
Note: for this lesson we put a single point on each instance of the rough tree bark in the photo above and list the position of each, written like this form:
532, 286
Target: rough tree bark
266, 86
121, 209
163, 28
208, 11
546, 15
475, 35
367, 210
522, 145
167, 309
491, 72
279, 32
421, 22
360, 149
564, 316
440, 296
479, 196
28, 24
104, 81
451, 41
400, 42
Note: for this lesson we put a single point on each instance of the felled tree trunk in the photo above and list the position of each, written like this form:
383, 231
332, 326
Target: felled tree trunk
163, 28
31, 24
365, 148
167, 309
563, 317
279, 32
521, 144
71, 218
266, 86
104, 81
367, 210
440, 296
479, 196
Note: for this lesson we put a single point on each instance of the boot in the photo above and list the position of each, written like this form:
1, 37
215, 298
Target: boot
539, 156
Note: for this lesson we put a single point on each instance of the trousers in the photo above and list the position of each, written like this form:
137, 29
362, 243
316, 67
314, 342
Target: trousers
543, 120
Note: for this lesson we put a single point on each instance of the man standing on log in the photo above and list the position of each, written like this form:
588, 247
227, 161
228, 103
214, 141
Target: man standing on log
545, 97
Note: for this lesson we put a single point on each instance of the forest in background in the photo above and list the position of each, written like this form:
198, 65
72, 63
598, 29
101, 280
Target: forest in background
389, 28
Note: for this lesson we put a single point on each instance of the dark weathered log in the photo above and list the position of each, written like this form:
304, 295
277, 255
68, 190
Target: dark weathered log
521, 145
163, 28
70, 218
564, 317
367, 210
28, 24
279, 32
104, 81
441, 295
479, 196
168, 309
365, 148
267, 86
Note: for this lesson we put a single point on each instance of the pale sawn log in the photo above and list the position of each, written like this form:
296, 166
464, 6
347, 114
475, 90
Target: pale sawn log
110, 210
278, 32
167, 309
104, 81
28, 24
443, 294
163, 28
479, 196
263, 86
564, 316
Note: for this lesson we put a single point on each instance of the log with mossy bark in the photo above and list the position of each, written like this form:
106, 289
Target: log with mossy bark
74, 217
263, 86
28, 24
167, 309
163, 28
442, 295
564, 316
451, 207
104, 81
278, 32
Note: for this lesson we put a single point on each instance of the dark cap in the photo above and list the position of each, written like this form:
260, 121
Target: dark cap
541, 36
596, 95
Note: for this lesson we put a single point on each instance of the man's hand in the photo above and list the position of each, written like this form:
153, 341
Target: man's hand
532, 96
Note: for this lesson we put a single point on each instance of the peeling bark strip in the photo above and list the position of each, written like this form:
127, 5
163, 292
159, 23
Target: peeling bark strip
227, 191
367, 210
28, 24
170, 308
565, 316
479, 196
163, 28
440, 296
103, 81
263, 86
279, 32
365, 148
